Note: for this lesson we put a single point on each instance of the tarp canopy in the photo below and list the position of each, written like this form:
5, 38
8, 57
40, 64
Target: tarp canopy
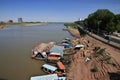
57, 49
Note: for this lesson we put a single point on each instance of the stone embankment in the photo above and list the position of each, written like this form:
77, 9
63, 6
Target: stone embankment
111, 43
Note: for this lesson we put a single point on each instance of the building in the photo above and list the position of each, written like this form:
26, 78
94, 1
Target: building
10, 21
20, 20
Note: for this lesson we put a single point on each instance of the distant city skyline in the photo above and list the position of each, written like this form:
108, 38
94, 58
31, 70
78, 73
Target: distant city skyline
53, 10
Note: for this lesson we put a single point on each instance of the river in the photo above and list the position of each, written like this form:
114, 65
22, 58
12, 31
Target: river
16, 43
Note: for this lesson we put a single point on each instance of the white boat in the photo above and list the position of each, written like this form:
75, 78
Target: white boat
48, 77
49, 68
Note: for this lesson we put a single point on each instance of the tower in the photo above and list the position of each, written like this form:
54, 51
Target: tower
20, 20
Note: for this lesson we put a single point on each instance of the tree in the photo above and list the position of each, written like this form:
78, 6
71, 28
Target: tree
116, 18
118, 27
110, 27
101, 16
1, 23
10, 21
116, 21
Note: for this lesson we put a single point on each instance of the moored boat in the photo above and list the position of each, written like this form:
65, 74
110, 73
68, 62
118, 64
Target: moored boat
59, 70
48, 77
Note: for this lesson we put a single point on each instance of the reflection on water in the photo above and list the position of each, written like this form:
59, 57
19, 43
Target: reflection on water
15, 49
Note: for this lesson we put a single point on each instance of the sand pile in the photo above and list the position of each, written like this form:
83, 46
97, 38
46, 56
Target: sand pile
44, 47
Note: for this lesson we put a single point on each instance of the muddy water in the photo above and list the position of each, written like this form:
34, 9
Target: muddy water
16, 43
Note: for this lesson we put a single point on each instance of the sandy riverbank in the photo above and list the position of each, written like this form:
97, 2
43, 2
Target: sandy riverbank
2, 26
81, 70
74, 32
32, 24
22, 24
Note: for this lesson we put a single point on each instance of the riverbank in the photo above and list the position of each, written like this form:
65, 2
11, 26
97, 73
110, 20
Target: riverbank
2, 26
73, 32
32, 24
22, 24
102, 66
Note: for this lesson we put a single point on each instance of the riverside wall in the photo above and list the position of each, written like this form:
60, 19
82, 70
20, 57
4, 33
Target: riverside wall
111, 43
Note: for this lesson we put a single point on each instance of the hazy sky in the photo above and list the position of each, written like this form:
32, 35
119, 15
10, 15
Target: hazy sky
53, 10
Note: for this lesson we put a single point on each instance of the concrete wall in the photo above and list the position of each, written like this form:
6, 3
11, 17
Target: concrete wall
113, 44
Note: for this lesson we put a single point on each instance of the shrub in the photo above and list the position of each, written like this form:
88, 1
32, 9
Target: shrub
95, 69
101, 51
98, 52
96, 48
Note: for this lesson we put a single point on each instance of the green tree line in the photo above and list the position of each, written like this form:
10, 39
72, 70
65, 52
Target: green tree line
102, 20
73, 25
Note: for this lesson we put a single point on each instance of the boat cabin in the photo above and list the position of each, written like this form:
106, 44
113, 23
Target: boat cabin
48, 68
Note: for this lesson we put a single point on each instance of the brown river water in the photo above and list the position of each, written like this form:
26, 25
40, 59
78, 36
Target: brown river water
16, 43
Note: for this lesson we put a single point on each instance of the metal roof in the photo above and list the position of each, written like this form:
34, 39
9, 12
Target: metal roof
57, 49
48, 77
52, 68
45, 77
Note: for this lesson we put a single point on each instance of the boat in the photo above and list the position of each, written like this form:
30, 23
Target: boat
59, 70
39, 55
48, 68
42, 50
79, 47
48, 77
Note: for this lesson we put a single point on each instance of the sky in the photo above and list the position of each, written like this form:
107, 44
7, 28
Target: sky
53, 10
